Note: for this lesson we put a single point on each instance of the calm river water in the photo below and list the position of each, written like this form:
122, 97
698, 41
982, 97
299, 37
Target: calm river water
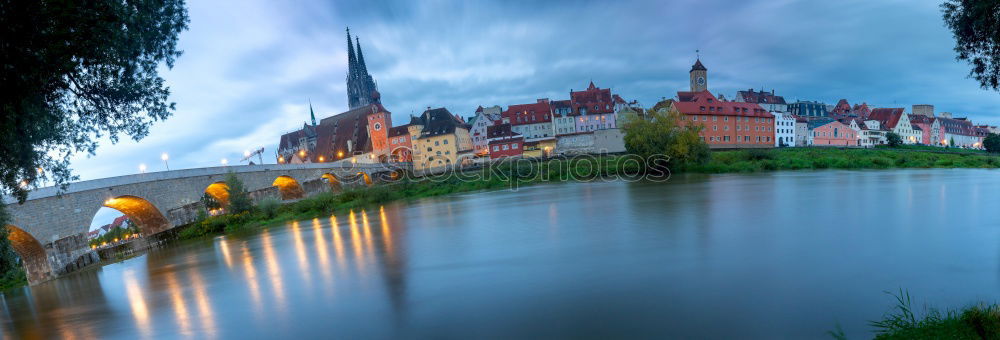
786, 254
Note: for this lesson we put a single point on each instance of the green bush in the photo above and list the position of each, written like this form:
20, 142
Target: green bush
269, 207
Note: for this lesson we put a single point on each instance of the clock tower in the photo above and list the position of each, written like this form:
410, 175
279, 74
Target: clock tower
699, 77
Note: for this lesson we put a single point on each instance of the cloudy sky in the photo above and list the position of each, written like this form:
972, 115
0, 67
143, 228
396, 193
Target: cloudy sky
250, 67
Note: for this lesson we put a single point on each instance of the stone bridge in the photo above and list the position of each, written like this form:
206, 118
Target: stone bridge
49, 231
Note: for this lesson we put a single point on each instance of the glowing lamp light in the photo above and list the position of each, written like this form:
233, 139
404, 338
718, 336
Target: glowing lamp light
354, 160
164, 156
142, 168
246, 153
225, 161
302, 153
340, 154
281, 159
321, 159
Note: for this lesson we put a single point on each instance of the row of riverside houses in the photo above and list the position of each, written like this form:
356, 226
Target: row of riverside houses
759, 119
589, 121
585, 123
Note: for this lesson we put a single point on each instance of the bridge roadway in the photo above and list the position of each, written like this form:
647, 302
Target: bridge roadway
49, 231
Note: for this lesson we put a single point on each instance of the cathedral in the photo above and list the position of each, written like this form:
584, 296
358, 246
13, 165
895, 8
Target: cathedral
361, 88
359, 131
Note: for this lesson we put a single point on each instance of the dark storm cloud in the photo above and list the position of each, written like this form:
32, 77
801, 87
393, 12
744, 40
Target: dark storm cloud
250, 67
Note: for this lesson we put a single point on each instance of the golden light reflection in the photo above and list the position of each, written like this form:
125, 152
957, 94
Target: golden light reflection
139, 310
224, 247
274, 271
180, 308
251, 278
205, 313
356, 242
300, 250
338, 242
321, 252
386, 232
368, 234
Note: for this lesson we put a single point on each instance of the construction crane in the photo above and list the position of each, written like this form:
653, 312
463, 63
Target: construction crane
249, 154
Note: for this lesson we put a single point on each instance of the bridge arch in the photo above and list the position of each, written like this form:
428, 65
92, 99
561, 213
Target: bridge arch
332, 180
219, 191
36, 263
289, 188
366, 177
149, 218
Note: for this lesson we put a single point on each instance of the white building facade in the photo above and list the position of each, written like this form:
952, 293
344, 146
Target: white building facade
784, 130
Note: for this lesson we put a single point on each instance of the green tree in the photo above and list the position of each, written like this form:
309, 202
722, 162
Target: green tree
8, 257
76, 71
952, 144
992, 143
976, 27
210, 202
893, 139
662, 135
239, 200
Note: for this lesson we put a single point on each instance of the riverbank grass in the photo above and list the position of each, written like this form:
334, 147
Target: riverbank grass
974, 322
757, 160
504, 175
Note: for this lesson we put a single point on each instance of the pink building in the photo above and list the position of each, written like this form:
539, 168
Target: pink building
835, 134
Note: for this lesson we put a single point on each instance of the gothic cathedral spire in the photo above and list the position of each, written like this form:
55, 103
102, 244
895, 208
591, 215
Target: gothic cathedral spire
361, 88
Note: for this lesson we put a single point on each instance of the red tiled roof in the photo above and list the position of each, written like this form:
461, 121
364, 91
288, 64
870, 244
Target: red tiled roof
521, 114
333, 133
399, 130
592, 96
761, 97
888, 117
712, 106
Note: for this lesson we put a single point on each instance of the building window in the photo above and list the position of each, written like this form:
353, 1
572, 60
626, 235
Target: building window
505, 147
513, 146
496, 148
445, 142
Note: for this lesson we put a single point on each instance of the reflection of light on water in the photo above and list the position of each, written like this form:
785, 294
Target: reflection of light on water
138, 303
356, 243
553, 219
300, 249
205, 314
324, 261
368, 235
338, 242
386, 232
224, 246
274, 271
180, 308
251, 278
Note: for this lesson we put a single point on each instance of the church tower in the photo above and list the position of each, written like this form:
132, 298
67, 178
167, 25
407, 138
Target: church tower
361, 88
699, 77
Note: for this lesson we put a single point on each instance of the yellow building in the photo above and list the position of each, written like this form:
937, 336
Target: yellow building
539, 148
439, 138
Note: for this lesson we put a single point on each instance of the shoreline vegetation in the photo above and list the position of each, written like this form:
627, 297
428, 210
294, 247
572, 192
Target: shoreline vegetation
980, 321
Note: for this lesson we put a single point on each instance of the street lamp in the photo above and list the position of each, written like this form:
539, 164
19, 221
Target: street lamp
142, 168
165, 157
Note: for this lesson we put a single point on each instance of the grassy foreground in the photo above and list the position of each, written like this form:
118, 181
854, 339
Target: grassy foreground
973, 322
755, 160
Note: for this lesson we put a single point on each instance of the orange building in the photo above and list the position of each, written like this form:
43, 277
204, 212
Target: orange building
726, 124
378, 132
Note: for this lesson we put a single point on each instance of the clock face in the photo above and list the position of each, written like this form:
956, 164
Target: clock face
701, 80
378, 126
